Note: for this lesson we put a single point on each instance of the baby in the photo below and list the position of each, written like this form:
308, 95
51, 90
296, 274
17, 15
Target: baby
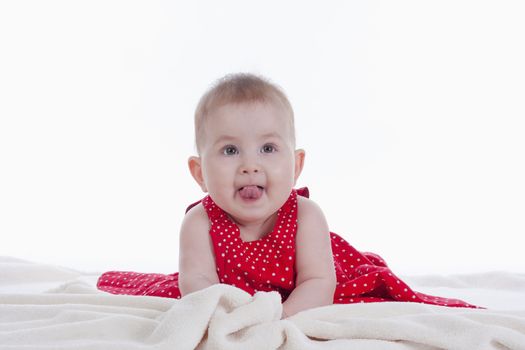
253, 230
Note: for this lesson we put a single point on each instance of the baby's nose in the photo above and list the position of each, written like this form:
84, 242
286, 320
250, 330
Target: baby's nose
250, 166
250, 169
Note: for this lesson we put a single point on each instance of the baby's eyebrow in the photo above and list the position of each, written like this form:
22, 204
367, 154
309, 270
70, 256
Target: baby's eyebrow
272, 134
229, 138
224, 138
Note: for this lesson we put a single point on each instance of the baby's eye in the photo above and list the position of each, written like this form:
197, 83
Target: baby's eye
229, 150
268, 148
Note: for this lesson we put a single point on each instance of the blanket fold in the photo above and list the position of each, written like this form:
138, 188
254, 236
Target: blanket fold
224, 317
74, 315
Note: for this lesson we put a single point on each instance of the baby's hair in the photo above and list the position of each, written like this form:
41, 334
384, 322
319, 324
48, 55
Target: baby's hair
240, 88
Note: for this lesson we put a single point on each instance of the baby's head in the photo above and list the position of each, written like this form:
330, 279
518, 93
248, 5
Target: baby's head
236, 89
245, 138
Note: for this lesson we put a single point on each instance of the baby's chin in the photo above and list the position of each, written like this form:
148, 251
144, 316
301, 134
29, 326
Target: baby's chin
247, 216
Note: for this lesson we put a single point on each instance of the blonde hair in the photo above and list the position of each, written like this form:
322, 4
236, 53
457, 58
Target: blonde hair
235, 89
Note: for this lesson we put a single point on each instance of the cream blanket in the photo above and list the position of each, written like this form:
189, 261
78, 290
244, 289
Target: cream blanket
47, 307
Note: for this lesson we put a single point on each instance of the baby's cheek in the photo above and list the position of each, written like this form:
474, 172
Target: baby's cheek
288, 173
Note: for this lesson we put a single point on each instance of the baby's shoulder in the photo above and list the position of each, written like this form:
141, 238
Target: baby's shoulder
196, 209
196, 219
307, 208
311, 222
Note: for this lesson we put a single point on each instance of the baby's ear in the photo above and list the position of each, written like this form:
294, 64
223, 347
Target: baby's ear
299, 163
194, 164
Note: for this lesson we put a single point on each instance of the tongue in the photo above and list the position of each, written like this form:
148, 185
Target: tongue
250, 192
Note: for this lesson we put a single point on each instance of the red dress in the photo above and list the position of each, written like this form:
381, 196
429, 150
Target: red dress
267, 264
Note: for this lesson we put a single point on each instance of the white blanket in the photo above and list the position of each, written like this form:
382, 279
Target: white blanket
48, 307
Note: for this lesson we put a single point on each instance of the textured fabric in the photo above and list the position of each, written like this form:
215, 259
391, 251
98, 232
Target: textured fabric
267, 264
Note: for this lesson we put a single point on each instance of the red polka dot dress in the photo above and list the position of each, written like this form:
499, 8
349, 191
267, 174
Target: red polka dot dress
267, 264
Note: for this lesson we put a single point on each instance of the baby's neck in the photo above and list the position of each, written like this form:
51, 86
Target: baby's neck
252, 231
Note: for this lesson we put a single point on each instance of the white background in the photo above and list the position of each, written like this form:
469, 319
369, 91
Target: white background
411, 114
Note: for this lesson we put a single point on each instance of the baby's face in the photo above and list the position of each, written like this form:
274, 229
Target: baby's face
248, 164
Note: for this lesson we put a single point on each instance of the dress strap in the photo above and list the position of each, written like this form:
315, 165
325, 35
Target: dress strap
192, 205
215, 213
304, 192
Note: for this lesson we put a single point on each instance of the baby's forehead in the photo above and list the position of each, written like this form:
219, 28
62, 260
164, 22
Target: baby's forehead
254, 109
259, 118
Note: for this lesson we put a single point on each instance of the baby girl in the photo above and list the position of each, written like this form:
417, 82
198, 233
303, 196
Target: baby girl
253, 230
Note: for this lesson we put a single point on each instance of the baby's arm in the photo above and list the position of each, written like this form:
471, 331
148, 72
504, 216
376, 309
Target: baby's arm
197, 268
316, 280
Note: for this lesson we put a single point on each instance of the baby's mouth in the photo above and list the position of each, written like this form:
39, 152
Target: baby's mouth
251, 192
